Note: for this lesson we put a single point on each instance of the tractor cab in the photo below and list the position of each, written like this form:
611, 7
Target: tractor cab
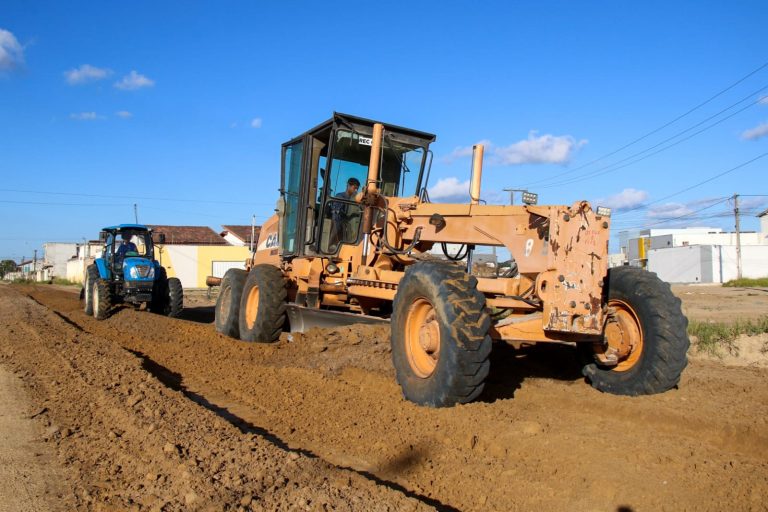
324, 172
128, 253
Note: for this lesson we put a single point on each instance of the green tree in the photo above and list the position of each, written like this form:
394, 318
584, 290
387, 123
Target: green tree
6, 266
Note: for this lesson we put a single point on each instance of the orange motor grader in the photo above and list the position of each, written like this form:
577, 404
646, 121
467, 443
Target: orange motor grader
355, 238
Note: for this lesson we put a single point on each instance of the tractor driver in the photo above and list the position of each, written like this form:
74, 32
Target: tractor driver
339, 210
125, 246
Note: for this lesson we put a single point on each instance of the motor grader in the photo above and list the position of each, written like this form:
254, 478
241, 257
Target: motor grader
336, 253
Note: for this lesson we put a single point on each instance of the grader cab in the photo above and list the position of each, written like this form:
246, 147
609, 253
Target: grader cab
356, 239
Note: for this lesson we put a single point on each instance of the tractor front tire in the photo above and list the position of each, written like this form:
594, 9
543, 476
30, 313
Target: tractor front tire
646, 311
439, 335
175, 297
228, 302
91, 276
102, 299
262, 305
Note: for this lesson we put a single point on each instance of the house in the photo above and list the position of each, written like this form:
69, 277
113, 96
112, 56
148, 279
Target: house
241, 235
55, 258
193, 253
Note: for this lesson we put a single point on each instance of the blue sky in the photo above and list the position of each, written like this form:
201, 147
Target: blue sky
181, 107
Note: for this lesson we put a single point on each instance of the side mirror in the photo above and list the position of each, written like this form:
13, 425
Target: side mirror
103, 236
161, 238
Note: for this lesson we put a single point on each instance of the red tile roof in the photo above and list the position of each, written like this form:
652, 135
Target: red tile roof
187, 235
242, 232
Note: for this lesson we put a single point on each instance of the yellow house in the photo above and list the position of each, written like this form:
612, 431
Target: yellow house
193, 253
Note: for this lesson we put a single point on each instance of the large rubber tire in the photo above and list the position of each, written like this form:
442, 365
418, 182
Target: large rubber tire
663, 328
159, 302
102, 299
262, 304
91, 276
228, 302
175, 297
461, 364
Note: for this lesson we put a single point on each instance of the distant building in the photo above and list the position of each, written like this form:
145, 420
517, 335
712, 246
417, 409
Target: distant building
193, 253
241, 235
698, 254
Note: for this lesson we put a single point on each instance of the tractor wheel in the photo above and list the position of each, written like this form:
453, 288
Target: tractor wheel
228, 302
648, 332
439, 335
102, 299
175, 297
91, 276
262, 305
159, 302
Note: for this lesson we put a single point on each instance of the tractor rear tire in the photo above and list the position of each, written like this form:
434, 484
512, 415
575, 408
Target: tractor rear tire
91, 276
102, 299
228, 302
175, 297
262, 305
640, 295
439, 335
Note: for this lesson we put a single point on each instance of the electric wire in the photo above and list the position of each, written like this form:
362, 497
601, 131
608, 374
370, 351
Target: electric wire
660, 128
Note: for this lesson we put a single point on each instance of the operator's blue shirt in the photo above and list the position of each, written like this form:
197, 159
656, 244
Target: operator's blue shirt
124, 248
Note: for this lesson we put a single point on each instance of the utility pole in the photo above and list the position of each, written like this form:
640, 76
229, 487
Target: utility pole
253, 229
738, 235
34, 266
135, 213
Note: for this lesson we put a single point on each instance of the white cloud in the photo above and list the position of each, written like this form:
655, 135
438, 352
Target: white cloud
460, 152
668, 211
544, 149
763, 100
133, 81
11, 52
450, 190
124, 114
86, 73
85, 116
256, 122
627, 198
755, 133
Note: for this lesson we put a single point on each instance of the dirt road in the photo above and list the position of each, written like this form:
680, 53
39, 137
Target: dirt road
191, 418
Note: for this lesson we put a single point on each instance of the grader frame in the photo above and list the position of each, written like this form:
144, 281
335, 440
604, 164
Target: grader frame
384, 268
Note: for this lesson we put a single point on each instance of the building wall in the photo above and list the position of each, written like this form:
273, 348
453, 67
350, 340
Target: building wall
56, 254
707, 263
193, 263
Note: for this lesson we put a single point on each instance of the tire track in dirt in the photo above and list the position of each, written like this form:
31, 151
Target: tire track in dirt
130, 443
558, 444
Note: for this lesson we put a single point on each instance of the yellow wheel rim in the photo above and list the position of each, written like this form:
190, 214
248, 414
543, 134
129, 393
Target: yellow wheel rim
422, 338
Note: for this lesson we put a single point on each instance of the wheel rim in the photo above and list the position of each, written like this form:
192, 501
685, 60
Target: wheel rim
252, 307
624, 334
422, 338
96, 308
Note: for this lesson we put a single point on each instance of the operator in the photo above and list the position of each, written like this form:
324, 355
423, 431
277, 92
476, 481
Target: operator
339, 213
125, 246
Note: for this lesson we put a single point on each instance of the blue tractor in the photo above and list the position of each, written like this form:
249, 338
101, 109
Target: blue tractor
127, 272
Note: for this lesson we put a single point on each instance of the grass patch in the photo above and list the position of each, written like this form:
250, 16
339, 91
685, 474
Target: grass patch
747, 282
713, 337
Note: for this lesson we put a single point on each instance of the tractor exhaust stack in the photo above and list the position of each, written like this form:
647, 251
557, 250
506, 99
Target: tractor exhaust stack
477, 173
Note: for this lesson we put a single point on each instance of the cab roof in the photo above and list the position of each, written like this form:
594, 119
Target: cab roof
357, 122
121, 227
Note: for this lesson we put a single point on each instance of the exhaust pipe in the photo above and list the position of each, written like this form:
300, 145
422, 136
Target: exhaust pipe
373, 165
477, 173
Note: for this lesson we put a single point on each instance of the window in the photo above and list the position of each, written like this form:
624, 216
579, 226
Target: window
400, 168
292, 156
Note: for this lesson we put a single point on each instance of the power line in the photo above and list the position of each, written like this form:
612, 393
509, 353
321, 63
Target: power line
682, 216
732, 169
611, 167
665, 125
61, 204
103, 196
